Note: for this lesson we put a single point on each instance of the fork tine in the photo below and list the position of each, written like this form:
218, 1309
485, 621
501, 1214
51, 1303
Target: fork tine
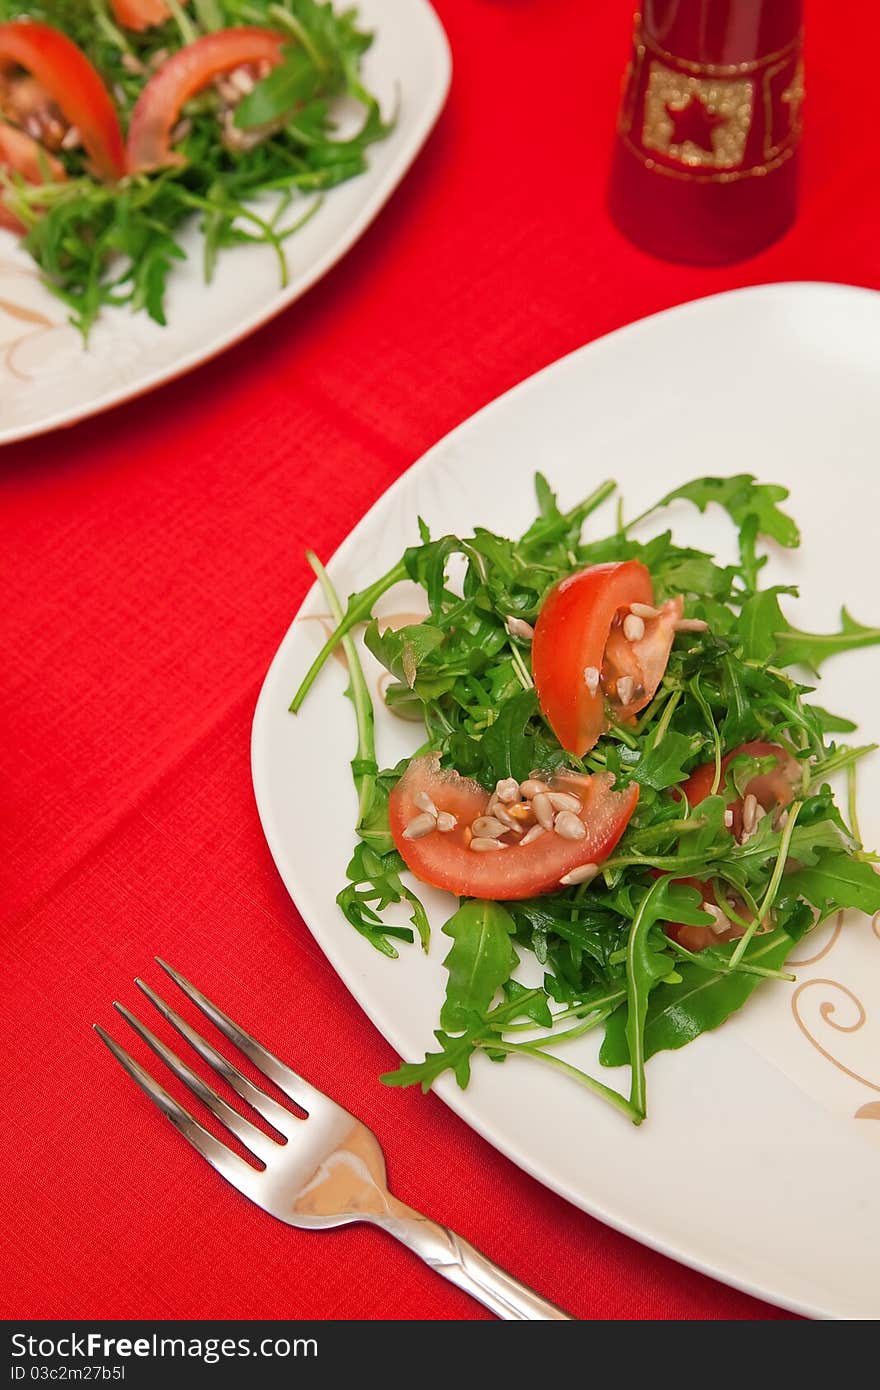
227, 1164
263, 1104
284, 1077
259, 1143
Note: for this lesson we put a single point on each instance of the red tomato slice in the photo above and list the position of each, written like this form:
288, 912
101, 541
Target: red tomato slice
771, 789
182, 75
695, 938
22, 155
518, 871
73, 84
580, 629
140, 14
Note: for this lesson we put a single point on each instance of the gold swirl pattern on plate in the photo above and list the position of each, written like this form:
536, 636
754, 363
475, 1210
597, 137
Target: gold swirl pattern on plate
827, 1012
824, 950
34, 323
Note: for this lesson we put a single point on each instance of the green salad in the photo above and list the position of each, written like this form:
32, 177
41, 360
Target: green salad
121, 120
624, 774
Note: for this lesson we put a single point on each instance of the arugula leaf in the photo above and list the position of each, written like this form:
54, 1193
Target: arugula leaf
374, 884
454, 1055
480, 962
532, 1003
296, 81
402, 651
663, 765
760, 622
698, 1003
837, 880
811, 649
767, 636
742, 497
517, 742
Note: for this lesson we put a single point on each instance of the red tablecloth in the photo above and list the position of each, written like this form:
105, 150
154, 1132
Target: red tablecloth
151, 561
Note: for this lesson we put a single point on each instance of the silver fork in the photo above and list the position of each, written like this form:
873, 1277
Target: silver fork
328, 1170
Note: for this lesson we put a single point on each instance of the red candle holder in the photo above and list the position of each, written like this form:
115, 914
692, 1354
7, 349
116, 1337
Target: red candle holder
706, 160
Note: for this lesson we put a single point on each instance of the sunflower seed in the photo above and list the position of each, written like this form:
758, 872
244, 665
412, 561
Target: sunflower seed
419, 826
518, 627
633, 627
131, 63
534, 834
591, 678
582, 874
564, 801
721, 923
543, 809
507, 790
691, 625
750, 813
424, 803
242, 81
522, 812
570, 826
71, 139
728, 819
446, 822
487, 827
481, 843
780, 820
531, 787
501, 813
644, 610
625, 689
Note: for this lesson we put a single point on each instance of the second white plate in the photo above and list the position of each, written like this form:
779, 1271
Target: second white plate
758, 1161
48, 378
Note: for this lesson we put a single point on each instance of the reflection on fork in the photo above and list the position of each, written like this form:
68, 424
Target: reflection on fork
324, 1169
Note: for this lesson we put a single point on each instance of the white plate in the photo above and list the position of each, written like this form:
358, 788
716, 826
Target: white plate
47, 377
752, 1164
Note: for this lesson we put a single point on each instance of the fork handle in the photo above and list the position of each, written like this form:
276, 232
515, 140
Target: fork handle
459, 1262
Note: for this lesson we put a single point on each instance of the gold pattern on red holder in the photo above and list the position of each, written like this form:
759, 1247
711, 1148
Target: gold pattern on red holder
711, 122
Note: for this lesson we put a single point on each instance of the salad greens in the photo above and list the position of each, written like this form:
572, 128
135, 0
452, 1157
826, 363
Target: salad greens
101, 244
607, 958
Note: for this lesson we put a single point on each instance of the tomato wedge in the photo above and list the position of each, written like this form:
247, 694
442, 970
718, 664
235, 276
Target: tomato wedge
771, 790
180, 77
517, 871
22, 155
582, 658
139, 14
73, 84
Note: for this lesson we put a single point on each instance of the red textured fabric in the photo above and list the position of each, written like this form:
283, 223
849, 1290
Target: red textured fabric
151, 561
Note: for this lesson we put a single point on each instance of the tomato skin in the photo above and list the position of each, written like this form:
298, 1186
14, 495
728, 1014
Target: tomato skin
25, 156
139, 14
695, 938
576, 630
73, 84
180, 77
772, 789
445, 861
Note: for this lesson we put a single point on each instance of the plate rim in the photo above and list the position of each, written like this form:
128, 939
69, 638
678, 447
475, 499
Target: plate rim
445, 1088
287, 295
